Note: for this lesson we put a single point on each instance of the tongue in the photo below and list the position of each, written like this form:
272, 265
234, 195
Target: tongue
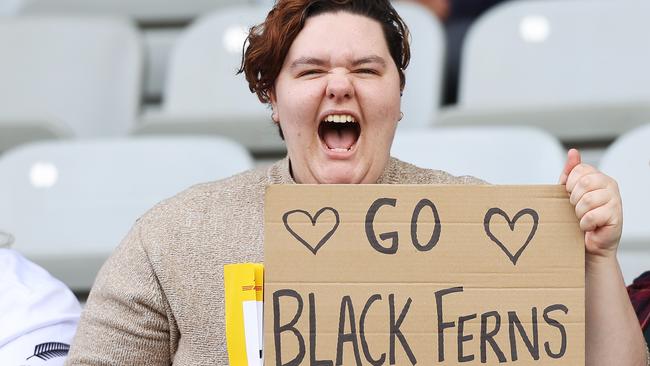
342, 138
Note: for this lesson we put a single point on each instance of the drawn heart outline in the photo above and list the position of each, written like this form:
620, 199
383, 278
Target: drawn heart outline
313, 249
497, 211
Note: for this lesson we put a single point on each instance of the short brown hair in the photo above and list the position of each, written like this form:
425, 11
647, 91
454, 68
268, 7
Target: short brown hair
269, 42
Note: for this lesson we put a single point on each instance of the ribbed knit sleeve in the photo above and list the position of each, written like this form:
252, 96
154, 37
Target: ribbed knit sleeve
126, 320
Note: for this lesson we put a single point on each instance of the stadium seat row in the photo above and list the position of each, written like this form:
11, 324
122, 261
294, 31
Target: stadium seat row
67, 204
574, 68
81, 77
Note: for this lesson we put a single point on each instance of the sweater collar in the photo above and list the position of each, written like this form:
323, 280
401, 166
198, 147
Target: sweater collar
280, 172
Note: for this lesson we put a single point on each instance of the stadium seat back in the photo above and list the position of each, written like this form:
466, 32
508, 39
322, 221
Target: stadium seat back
202, 75
422, 95
498, 155
557, 52
69, 203
82, 73
9, 7
628, 161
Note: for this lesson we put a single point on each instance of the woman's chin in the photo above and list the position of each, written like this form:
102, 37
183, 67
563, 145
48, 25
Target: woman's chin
334, 174
340, 173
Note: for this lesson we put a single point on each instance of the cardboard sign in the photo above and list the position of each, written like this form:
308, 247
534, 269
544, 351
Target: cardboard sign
427, 275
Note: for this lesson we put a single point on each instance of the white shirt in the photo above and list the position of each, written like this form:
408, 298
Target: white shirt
38, 314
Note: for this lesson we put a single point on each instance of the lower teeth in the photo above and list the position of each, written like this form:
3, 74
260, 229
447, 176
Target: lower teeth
339, 149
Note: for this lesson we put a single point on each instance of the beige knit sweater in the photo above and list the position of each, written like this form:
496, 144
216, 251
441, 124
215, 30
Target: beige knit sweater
159, 299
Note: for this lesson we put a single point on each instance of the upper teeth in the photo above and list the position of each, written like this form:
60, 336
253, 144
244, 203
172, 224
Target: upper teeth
339, 118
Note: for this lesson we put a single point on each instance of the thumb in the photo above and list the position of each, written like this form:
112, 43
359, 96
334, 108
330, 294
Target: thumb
573, 159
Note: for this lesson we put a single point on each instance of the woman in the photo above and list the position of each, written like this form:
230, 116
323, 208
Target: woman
332, 71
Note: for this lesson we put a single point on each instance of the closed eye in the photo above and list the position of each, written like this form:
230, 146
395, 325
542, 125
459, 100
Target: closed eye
367, 71
310, 72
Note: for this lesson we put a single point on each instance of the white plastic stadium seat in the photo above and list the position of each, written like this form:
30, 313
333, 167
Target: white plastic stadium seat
9, 7
68, 204
628, 161
577, 68
422, 95
498, 155
202, 92
67, 77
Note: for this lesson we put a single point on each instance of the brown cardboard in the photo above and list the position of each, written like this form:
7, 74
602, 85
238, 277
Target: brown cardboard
345, 278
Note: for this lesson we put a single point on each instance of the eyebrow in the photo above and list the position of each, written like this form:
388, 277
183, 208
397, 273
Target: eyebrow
319, 62
307, 61
370, 60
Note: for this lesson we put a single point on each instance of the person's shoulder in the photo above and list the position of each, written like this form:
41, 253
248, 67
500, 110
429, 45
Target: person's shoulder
39, 314
401, 172
240, 184
204, 197
24, 282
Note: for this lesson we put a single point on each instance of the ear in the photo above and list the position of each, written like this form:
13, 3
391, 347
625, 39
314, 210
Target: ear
273, 101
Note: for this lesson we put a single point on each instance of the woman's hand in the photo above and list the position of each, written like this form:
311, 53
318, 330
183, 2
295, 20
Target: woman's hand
612, 332
597, 202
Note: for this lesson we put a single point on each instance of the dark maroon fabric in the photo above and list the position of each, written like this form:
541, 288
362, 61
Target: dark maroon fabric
639, 293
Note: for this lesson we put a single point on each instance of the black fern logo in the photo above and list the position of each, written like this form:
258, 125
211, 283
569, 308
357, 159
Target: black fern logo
46, 351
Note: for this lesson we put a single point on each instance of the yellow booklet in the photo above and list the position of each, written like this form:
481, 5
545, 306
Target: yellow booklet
244, 309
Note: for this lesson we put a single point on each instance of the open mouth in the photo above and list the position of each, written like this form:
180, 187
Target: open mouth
339, 132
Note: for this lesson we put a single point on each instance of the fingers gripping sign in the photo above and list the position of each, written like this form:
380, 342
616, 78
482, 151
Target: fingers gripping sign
597, 202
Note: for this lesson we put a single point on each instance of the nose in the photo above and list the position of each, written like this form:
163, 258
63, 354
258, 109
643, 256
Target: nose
339, 87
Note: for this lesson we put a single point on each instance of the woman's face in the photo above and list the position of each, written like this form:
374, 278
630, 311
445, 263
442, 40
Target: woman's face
337, 99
